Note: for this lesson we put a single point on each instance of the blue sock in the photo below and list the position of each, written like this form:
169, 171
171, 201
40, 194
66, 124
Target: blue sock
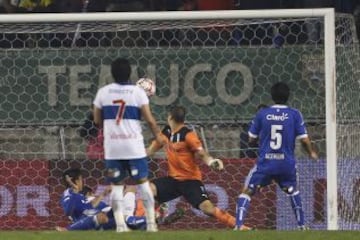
297, 207
111, 224
242, 207
85, 223
135, 222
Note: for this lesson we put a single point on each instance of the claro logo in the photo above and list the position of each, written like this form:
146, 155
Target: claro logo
273, 117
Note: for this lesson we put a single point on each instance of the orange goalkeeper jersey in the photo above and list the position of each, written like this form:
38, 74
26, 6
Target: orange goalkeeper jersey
180, 152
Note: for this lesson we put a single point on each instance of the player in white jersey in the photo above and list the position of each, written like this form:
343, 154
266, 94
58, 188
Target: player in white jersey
119, 107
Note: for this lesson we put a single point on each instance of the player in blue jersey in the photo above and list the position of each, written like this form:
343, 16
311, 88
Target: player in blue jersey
84, 214
119, 108
89, 212
277, 127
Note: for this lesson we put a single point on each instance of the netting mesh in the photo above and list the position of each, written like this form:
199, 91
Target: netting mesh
220, 70
348, 144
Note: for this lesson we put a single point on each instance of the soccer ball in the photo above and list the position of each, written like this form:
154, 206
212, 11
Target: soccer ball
148, 85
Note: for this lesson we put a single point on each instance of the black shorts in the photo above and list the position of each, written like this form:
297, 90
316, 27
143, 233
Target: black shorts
169, 188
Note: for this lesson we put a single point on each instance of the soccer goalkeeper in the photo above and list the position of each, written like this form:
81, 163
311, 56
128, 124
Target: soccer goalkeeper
182, 148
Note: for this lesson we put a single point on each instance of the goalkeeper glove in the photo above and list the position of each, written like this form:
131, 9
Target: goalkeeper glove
216, 163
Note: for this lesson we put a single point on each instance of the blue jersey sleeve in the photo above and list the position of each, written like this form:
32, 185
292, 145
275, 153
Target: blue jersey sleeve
68, 202
255, 126
300, 129
102, 205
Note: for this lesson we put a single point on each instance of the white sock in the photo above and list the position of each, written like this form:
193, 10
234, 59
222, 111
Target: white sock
129, 204
149, 202
116, 200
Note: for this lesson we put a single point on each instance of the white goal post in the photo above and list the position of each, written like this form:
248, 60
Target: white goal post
328, 16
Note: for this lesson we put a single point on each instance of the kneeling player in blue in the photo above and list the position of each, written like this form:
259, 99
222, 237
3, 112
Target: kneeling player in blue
277, 127
89, 212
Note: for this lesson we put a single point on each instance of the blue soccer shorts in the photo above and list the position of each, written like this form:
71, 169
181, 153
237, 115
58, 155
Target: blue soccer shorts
118, 170
260, 177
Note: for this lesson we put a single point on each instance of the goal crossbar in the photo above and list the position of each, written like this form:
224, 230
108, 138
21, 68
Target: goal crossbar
162, 16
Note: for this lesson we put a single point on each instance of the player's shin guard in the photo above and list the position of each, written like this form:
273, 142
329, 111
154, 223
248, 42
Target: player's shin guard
297, 207
86, 223
224, 217
242, 207
116, 199
149, 204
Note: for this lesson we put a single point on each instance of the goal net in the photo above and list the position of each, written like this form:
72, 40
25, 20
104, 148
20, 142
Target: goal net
220, 65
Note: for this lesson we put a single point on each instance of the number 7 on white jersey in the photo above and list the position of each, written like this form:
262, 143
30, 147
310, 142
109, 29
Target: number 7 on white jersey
121, 110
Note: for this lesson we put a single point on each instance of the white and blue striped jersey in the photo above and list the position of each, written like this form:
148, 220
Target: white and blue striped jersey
121, 112
278, 127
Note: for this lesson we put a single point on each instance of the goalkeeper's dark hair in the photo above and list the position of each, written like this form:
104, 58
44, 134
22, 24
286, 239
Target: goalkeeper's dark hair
73, 173
280, 93
120, 70
178, 113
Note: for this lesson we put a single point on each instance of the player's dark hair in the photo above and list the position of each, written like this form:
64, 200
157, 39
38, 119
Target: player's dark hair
85, 190
73, 173
178, 113
120, 70
280, 93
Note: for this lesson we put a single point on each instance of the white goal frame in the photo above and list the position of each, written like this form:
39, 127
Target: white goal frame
327, 14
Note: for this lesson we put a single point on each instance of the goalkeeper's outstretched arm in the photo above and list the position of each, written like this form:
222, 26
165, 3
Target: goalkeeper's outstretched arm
149, 118
214, 163
153, 148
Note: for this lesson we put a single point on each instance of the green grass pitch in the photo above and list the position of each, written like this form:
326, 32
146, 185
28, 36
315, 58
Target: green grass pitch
182, 235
